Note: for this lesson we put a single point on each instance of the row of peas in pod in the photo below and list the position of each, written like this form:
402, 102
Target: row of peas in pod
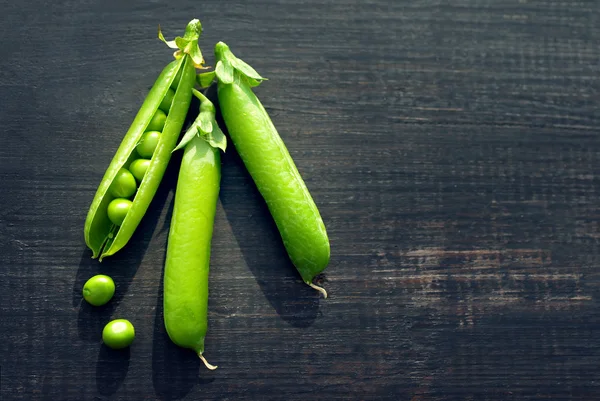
125, 184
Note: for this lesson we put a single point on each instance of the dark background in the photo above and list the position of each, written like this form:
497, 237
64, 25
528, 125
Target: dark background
452, 148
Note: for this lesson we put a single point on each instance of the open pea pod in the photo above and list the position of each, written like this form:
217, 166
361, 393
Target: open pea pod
113, 216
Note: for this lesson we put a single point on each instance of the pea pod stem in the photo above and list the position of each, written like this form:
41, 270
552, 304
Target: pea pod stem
200, 96
206, 363
320, 289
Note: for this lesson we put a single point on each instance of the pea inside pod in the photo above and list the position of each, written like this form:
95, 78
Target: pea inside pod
124, 185
166, 103
159, 119
118, 209
139, 167
148, 144
102, 233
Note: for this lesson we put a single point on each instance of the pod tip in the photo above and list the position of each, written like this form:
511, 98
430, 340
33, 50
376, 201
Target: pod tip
208, 365
320, 289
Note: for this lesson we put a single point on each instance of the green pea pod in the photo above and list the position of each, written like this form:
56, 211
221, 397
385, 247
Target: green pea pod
188, 250
102, 235
267, 159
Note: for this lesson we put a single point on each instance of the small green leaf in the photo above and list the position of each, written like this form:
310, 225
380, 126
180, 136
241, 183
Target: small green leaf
217, 138
205, 122
205, 79
224, 72
170, 43
196, 54
188, 44
181, 42
224, 56
187, 137
200, 96
253, 82
245, 69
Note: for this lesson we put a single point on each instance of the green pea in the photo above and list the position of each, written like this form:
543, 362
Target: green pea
124, 184
118, 334
271, 167
166, 103
139, 167
148, 143
117, 210
158, 121
98, 290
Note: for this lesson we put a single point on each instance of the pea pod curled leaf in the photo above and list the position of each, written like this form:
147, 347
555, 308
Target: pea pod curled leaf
245, 69
228, 64
224, 71
205, 123
217, 138
205, 126
205, 79
188, 44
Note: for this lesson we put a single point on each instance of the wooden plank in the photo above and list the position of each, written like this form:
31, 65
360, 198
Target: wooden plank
452, 148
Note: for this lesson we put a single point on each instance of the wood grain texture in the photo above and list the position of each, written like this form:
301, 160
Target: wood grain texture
453, 151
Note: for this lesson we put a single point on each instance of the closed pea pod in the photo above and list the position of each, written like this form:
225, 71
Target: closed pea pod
102, 235
269, 163
188, 249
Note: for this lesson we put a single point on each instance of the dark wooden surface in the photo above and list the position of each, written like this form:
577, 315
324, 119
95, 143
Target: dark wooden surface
453, 149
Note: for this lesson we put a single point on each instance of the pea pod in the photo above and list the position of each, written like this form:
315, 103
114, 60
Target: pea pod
269, 163
188, 250
102, 235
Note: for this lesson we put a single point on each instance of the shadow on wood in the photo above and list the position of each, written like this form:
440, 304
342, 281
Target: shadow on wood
259, 240
174, 369
111, 369
123, 265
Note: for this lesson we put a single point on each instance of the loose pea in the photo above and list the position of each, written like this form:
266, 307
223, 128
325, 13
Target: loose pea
118, 334
139, 167
117, 210
158, 121
98, 290
124, 184
148, 144
165, 105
